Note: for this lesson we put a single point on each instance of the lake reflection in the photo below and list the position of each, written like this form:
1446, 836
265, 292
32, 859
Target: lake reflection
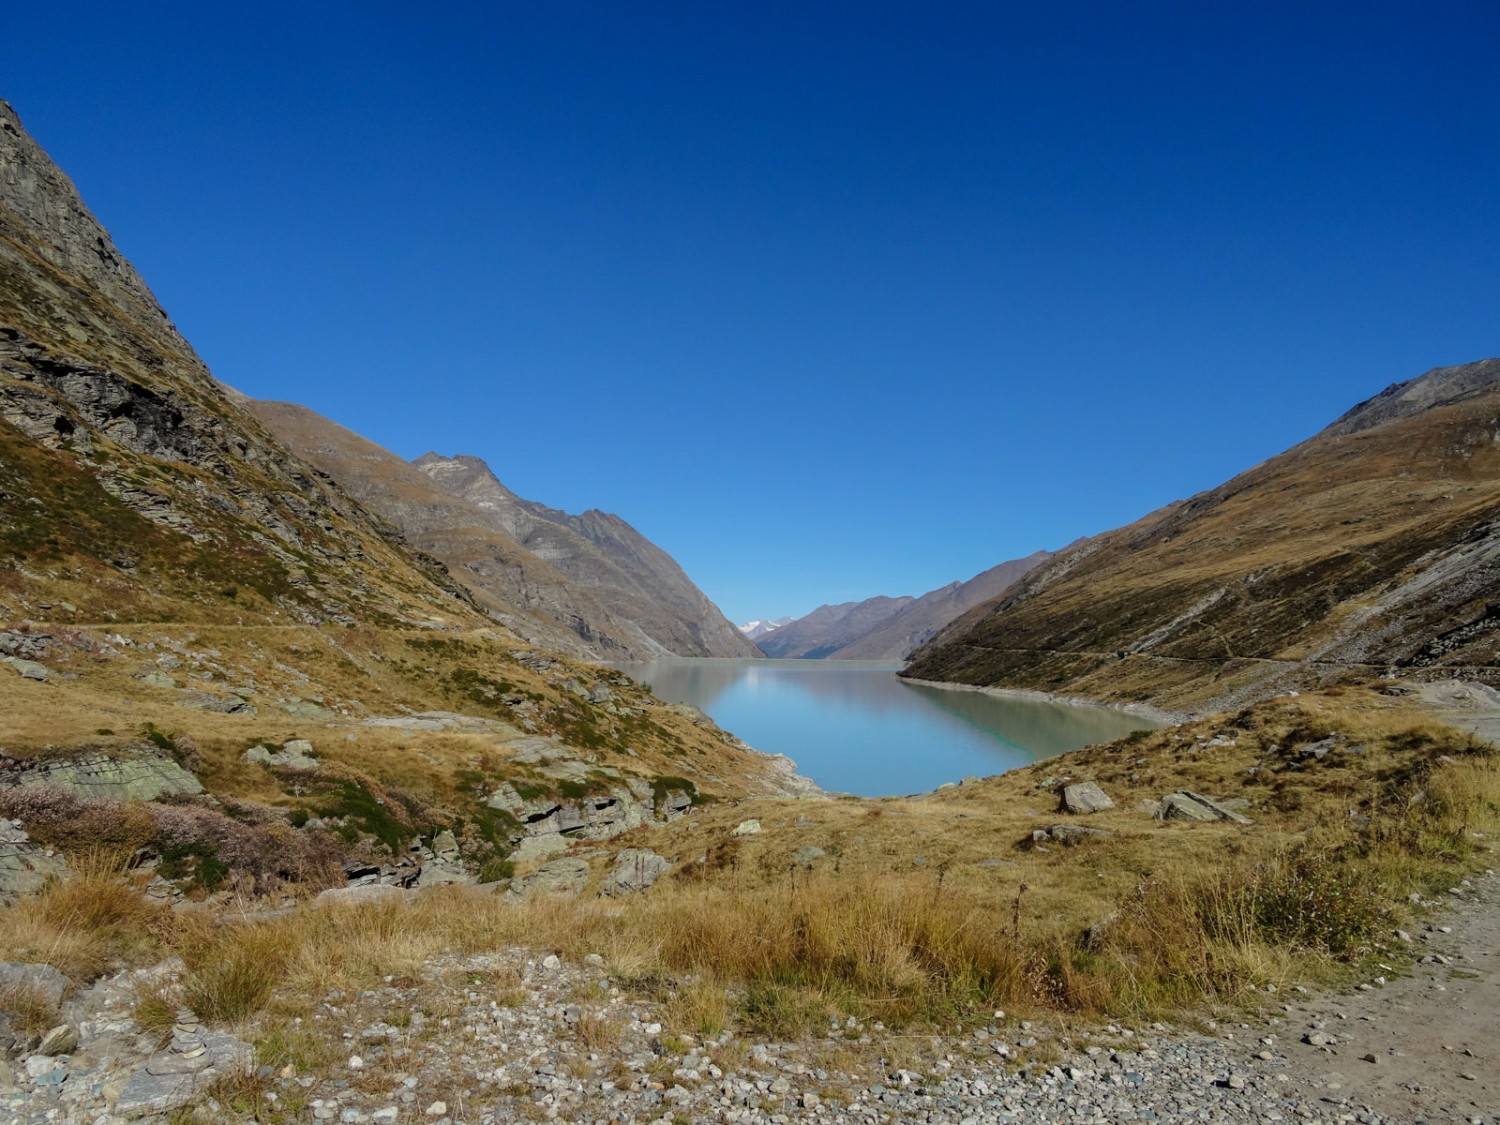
853, 727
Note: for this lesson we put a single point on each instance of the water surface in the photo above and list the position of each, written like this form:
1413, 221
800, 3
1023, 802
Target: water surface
853, 727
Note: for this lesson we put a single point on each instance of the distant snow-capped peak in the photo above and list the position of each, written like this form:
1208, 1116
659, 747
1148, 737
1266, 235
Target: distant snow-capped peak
759, 628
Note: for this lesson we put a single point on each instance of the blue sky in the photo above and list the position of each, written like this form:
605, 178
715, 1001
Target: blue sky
830, 300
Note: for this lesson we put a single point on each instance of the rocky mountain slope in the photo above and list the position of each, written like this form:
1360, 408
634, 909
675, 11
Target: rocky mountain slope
602, 554
1369, 549
626, 603
884, 628
207, 644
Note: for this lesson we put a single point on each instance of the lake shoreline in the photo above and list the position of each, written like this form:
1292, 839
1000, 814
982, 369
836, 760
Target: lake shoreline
1136, 710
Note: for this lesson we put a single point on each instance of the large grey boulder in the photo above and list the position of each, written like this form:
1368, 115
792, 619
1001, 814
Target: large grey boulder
635, 869
1187, 805
1084, 797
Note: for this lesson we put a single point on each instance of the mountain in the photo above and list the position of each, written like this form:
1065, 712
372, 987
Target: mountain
543, 576
181, 591
754, 630
883, 628
918, 622
1371, 549
605, 556
829, 627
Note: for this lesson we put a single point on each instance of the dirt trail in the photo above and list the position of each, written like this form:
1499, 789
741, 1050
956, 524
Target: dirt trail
1434, 1035
1431, 1035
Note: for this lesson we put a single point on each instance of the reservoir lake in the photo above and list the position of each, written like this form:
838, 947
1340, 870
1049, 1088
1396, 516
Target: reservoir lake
854, 727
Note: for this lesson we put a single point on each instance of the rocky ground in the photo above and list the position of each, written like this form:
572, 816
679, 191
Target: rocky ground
514, 1036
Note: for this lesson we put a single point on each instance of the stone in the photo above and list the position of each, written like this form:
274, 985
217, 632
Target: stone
295, 754
437, 1109
559, 876
634, 871
43, 980
158, 680
445, 845
1187, 805
807, 856
746, 828
144, 776
1067, 834
1084, 797
551, 961
61, 1040
369, 892
27, 669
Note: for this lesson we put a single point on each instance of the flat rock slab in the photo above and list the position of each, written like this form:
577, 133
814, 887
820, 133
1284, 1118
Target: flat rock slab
143, 778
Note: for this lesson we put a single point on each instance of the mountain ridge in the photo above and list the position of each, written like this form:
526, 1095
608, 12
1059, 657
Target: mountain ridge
1371, 548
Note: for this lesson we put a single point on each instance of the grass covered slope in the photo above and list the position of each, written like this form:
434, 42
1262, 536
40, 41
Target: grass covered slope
927, 912
1369, 549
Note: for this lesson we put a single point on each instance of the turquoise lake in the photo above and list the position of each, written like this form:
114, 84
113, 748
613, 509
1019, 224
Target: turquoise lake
854, 727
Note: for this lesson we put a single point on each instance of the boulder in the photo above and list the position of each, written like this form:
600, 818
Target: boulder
746, 828
1066, 834
45, 982
24, 865
367, 892
61, 1040
28, 669
559, 876
635, 869
1084, 797
1187, 805
807, 856
295, 754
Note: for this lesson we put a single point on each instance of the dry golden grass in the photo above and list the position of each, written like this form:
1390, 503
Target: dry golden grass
1158, 917
84, 925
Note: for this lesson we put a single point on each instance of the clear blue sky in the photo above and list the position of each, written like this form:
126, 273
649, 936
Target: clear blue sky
828, 299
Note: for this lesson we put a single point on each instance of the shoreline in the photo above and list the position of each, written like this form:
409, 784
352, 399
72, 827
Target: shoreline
1138, 710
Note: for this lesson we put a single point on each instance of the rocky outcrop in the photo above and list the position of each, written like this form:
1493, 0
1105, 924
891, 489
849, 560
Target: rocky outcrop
140, 775
634, 871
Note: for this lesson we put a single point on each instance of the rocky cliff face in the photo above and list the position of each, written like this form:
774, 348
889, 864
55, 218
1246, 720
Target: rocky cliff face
1371, 549
123, 457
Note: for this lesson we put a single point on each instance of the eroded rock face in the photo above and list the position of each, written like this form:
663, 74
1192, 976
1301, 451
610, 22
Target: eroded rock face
138, 777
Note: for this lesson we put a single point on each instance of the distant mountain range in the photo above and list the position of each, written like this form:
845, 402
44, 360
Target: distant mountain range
1371, 549
888, 628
